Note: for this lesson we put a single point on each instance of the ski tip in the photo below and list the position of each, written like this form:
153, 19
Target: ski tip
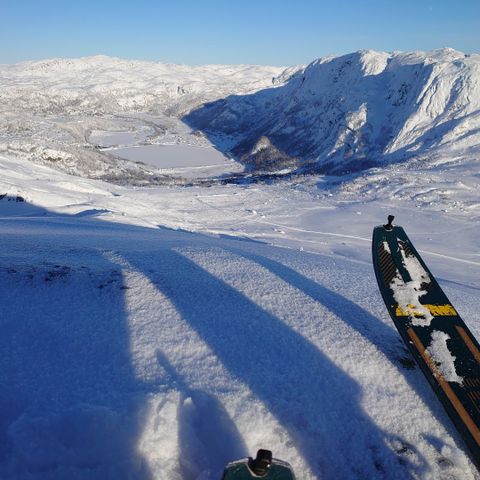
389, 225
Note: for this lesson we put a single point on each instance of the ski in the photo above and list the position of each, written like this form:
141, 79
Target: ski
263, 466
439, 340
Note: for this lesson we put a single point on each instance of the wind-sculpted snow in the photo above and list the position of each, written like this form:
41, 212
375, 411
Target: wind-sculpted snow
352, 112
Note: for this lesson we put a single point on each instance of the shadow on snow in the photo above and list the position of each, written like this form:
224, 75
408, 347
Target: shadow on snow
208, 438
316, 402
386, 339
70, 399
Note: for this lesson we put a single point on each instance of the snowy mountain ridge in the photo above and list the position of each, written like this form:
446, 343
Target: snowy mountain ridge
352, 112
106, 85
338, 114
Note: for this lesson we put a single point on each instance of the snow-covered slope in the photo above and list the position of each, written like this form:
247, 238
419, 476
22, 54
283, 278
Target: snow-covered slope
48, 109
158, 333
351, 112
338, 114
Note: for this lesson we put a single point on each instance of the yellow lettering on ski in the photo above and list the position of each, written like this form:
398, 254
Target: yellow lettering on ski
436, 310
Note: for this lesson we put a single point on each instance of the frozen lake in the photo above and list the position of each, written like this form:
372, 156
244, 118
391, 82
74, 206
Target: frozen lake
201, 160
104, 138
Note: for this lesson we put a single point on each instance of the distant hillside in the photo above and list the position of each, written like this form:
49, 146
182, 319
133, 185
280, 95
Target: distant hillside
48, 109
351, 112
106, 85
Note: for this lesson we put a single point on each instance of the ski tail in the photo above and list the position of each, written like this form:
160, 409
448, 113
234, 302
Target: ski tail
263, 466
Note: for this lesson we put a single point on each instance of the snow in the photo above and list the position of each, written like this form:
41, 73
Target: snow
74, 107
159, 332
441, 356
113, 139
386, 247
349, 113
407, 294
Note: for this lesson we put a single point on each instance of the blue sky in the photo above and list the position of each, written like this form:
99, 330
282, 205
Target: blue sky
276, 32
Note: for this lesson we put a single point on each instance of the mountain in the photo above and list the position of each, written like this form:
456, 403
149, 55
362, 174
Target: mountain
338, 115
352, 112
103, 85
48, 109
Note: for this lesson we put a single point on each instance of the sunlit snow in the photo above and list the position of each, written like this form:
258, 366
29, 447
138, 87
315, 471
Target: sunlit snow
173, 319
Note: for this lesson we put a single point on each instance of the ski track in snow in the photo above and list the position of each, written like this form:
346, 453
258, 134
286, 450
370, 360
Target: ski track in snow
449, 257
354, 237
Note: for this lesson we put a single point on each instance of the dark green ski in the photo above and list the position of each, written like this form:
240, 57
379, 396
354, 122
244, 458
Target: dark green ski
442, 345
263, 466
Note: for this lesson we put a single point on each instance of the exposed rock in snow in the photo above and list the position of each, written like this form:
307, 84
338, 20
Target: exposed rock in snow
338, 114
267, 157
